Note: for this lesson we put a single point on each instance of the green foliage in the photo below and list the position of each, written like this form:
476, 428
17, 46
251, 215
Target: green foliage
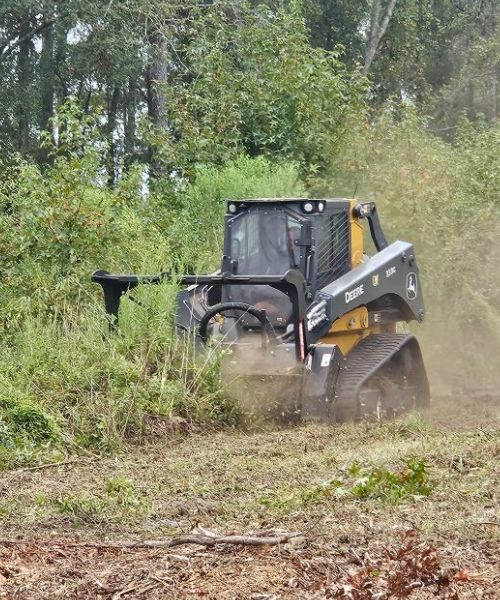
103, 388
119, 499
258, 87
33, 422
392, 486
193, 216
357, 482
276, 77
6, 435
82, 509
122, 491
64, 378
62, 223
59, 223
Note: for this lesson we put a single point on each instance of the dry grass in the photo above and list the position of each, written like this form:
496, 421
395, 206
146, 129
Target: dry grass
445, 544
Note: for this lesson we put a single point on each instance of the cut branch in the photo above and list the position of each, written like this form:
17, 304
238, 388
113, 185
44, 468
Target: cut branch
193, 538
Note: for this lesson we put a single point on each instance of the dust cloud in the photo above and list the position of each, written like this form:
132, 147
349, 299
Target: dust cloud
461, 336
266, 382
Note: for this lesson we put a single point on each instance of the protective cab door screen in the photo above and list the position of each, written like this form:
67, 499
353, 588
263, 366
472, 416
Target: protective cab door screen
264, 242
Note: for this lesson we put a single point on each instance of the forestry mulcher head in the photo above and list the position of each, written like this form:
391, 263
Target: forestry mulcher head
309, 318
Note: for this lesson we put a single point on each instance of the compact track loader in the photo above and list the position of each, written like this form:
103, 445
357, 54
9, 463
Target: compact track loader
295, 279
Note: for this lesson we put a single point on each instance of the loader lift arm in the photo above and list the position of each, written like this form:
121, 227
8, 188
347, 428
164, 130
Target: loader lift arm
368, 210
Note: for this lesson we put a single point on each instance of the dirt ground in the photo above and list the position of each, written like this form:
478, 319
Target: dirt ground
299, 479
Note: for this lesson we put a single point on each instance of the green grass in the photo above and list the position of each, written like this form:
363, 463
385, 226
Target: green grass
421, 488
118, 500
65, 381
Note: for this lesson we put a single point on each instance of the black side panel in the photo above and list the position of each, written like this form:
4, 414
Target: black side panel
391, 274
323, 365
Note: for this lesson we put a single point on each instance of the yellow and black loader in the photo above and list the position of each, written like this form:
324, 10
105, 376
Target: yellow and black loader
295, 277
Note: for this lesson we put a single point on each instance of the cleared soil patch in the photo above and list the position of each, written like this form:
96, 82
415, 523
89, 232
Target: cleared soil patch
304, 479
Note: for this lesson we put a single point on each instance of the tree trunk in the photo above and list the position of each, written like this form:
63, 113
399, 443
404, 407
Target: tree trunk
24, 79
111, 157
378, 27
61, 52
489, 30
471, 110
129, 119
47, 75
86, 104
156, 78
492, 94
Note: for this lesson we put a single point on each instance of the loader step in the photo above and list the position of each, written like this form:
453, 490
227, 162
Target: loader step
369, 356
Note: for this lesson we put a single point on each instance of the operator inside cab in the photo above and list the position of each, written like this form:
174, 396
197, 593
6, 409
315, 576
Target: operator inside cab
264, 244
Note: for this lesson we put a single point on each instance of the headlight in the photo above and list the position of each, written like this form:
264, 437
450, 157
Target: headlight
308, 207
232, 208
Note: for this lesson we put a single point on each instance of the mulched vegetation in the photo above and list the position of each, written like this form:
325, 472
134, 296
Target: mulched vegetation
445, 544
409, 567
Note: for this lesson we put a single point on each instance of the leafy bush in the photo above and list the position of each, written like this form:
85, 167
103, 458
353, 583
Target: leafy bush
358, 482
258, 88
392, 486
118, 500
83, 509
33, 422
122, 492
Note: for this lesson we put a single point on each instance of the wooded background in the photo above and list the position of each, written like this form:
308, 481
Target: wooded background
178, 84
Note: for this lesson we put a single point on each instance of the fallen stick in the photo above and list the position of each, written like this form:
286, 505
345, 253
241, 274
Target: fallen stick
50, 465
201, 540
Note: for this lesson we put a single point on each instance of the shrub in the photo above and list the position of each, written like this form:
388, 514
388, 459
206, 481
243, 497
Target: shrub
358, 482
33, 422
392, 486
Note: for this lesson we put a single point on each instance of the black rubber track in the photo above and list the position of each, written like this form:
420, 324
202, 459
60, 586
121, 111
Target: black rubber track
369, 356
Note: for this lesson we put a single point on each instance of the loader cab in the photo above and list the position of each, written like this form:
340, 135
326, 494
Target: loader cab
272, 236
265, 241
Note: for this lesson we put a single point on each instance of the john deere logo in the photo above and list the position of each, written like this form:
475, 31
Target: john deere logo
375, 280
411, 286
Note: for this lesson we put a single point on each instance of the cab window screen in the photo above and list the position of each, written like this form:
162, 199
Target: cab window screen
332, 254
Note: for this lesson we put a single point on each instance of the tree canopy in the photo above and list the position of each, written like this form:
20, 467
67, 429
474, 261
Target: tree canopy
175, 85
